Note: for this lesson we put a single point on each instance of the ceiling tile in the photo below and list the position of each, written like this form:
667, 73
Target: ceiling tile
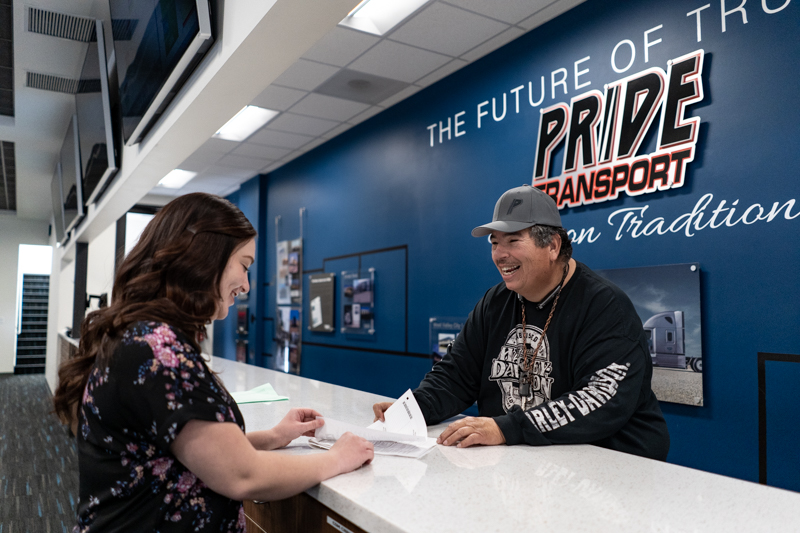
272, 166
548, 13
399, 97
294, 155
305, 75
229, 174
280, 139
338, 130
340, 46
292, 123
511, 11
278, 98
261, 151
493, 44
360, 86
398, 61
318, 105
446, 70
243, 162
219, 146
447, 30
313, 144
199, 160
369, 113
220, 185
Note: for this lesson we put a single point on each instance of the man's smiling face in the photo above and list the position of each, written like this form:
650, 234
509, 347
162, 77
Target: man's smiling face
525, 268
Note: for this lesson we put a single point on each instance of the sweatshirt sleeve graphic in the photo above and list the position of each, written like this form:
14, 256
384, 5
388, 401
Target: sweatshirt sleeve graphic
602, 387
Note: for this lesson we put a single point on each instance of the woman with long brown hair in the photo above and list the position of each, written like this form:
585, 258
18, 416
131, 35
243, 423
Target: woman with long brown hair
161, 444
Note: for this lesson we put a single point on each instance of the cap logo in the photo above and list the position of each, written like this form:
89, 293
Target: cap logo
514, 204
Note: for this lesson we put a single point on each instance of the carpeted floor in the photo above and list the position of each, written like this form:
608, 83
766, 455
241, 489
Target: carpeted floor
38, 460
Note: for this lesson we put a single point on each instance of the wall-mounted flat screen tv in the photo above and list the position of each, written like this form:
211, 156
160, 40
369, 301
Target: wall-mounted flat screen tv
93, 108
71, 186
157, 44
58, 204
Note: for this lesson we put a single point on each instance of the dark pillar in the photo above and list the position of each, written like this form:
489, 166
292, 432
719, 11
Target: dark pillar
119, 246
79, 298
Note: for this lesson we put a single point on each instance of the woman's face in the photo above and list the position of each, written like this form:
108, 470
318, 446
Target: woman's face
234, 277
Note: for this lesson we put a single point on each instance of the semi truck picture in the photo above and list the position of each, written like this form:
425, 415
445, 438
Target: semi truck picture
665, 338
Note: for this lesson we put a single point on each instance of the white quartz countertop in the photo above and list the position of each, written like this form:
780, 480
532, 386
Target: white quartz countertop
514, 488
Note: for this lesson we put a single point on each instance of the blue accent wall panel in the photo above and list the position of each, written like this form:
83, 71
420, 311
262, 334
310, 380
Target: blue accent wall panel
225, 329
389, 375
402, 179
783, 425
248, 199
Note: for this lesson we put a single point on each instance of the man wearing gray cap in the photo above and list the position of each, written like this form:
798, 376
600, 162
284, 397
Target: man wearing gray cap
554, 354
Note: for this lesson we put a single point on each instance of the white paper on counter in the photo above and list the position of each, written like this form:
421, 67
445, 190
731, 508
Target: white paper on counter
404, 416
333, 429
385, 442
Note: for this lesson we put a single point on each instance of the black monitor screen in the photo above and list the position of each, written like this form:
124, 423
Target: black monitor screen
93, 108
70, 160
150, 39
58, 206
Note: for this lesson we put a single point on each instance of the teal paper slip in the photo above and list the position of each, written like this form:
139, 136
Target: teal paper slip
262, 393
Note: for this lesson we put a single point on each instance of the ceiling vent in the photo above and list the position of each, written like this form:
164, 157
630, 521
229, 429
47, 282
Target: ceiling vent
49, 82
8, 177
61, 25
6, 59
360, 87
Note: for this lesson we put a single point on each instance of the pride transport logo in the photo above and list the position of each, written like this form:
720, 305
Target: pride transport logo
605, 131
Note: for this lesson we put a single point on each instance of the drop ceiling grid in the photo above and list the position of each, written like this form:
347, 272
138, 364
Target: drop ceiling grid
344, 48
436, 41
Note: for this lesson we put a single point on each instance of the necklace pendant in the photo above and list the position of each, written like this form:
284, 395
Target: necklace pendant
524, 389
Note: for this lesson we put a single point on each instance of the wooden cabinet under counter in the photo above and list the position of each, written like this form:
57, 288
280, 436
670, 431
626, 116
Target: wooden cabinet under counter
299, 514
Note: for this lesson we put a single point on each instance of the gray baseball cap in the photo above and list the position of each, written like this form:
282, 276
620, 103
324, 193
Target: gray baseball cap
520, 208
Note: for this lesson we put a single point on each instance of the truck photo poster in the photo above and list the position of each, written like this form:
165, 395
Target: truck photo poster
667, 300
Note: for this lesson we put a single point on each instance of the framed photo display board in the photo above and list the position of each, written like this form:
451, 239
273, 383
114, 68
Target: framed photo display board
289, 298
442, 333
358, 302
320, 302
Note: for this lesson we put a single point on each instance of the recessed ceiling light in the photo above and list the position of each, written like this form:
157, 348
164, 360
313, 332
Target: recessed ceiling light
379, 16
245, 123
176, 179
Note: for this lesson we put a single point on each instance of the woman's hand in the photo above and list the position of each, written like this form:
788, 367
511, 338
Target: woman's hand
297, 422
352, 452
221, 455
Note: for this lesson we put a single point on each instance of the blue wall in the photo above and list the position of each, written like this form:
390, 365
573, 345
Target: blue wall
382, 185
249, 198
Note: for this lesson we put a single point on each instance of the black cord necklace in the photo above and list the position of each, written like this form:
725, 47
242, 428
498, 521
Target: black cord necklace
526, 368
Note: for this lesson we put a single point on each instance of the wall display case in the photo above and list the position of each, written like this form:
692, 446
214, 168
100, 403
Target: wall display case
320, 302
358, 302
290, 257
287, 339
289, 298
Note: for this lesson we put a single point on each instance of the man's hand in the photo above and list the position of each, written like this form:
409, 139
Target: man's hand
470, 431
379, 409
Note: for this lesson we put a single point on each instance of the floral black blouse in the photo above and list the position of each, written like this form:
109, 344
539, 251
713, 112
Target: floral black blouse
131, 412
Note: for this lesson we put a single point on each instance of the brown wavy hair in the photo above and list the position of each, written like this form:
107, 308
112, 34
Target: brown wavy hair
172, 275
